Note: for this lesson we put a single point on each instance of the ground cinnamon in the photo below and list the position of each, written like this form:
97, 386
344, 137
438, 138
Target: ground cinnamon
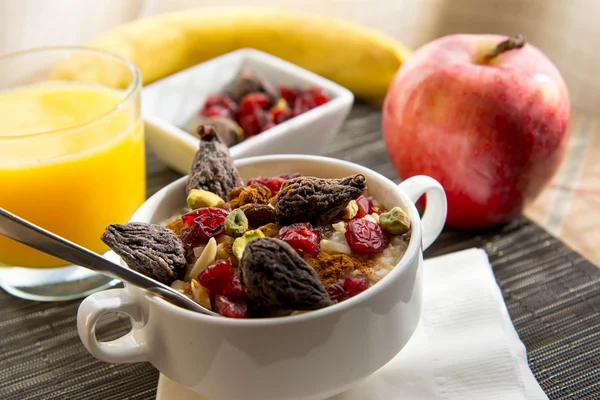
332, 267
253, 194
175, 225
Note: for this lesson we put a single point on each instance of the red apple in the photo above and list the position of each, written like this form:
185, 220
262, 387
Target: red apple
489, 122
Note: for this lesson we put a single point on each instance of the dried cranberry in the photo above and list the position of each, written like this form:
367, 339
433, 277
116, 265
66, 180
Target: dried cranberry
289, 94
228, 102
348, 287
365, 206
320, 99
203, 223
218, 100
252, 124
218, 111
217, 277
302, 237
234, 289
212, 100
315, 91
280, 114
337, 291
253, 102
318, 94
231, 308
364, 236
268, 126
273, 183
356, 284
302, 104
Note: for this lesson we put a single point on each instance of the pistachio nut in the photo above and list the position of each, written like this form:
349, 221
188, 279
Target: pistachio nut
395, 221
199, 198
236, 223
240, 243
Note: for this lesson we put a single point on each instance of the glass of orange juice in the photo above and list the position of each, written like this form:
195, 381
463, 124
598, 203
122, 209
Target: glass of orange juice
71, 160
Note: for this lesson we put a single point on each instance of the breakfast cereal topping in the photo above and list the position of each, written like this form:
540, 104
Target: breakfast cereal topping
310, 199
149, 249
253, 194
198, 198
212, 168
333, 267
236, 223
259, 214
274, 247
240, 244
273, 273
395, 221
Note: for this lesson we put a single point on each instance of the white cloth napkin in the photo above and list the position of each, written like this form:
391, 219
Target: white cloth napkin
465, 346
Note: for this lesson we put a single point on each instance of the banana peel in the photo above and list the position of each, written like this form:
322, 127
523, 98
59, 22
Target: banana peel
361, 59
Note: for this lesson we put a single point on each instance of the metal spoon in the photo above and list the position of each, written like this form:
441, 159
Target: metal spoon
40, 239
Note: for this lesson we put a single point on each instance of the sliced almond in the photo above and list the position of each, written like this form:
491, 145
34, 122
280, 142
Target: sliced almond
200, 294
206, 259
340, 227
369, 217
178, 285
331, 247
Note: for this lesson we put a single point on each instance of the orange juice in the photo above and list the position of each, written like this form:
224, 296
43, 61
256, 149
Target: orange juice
71, 161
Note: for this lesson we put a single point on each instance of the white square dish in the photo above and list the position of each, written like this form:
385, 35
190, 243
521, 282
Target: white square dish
170, 103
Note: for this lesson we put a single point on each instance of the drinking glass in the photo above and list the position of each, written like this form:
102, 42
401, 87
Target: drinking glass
71, 160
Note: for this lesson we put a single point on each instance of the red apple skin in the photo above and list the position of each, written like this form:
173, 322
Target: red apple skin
492, 135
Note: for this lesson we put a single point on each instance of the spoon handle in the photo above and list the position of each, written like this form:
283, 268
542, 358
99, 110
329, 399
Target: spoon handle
38, 238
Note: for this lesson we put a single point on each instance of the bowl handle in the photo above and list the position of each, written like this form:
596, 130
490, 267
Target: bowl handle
129, 348
436, 208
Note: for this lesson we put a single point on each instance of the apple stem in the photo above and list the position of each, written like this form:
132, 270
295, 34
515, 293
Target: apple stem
514, 42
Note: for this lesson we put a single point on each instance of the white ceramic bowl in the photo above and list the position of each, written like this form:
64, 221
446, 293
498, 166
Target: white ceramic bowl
170, 103
308, 356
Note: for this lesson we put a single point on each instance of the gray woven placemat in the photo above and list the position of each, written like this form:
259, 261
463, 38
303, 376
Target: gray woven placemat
552, 295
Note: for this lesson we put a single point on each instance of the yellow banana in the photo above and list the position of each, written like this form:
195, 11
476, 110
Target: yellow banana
361, 59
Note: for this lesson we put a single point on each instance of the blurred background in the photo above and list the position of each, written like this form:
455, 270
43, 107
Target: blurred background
566, 30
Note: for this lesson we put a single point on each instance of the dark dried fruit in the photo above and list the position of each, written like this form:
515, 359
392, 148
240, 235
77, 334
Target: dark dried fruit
151, 250
252, 194
212, 168
227, 129
317, 200
364, 236
247, 81
259, 214
273, 273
